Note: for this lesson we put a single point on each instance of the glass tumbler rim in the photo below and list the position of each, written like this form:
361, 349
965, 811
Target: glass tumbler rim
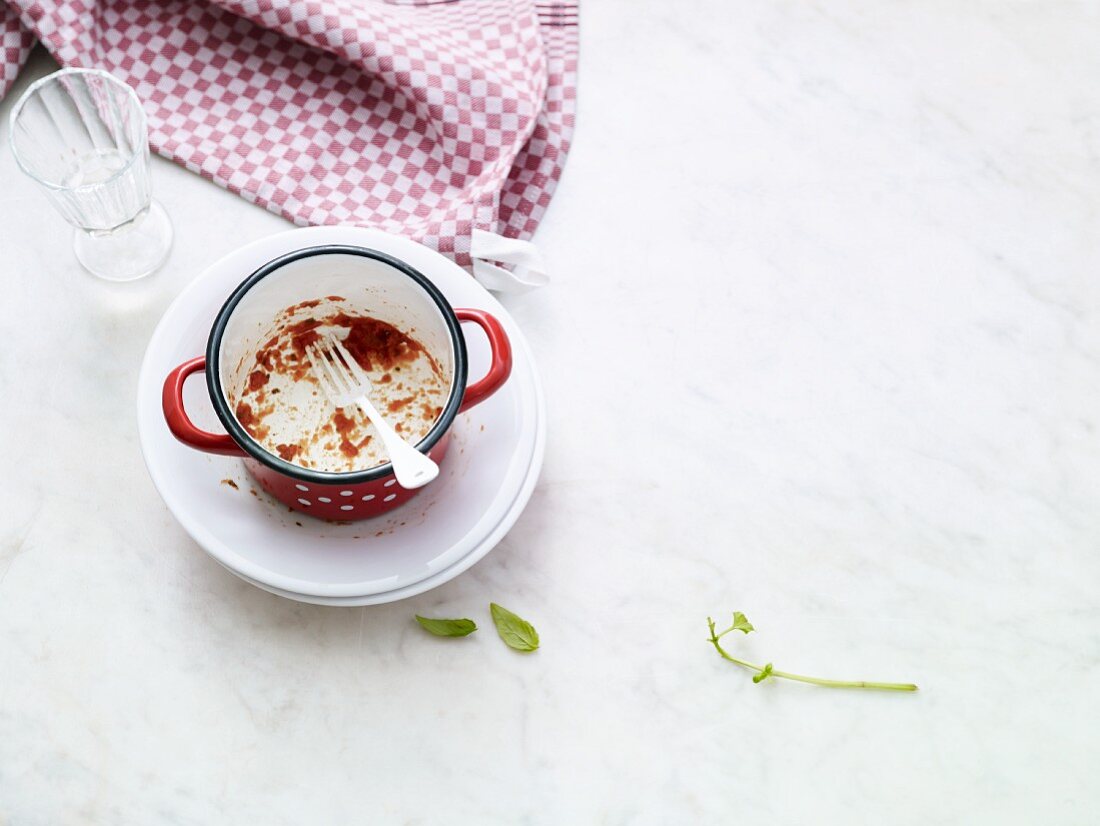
50, 78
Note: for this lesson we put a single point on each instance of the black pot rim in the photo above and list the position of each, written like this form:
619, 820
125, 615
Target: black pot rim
322, 477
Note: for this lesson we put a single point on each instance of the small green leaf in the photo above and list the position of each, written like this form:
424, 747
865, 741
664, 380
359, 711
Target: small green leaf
741, 622
516, 632
765, 672
447, 627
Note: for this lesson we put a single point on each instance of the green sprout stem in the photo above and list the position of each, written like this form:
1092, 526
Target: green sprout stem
775, 672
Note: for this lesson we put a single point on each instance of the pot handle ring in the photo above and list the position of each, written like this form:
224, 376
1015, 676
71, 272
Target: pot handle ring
180, 423
500, 367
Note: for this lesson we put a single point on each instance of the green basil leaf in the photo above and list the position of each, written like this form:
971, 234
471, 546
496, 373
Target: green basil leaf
516, 632
447, 627
741, 622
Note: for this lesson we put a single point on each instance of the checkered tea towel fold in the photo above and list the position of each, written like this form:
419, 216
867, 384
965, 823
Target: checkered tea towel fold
444, 120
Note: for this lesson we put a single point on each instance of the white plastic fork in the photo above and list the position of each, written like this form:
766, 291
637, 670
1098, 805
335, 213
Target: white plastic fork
345, 384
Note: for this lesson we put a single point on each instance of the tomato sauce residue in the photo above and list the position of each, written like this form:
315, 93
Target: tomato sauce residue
303, 334
376, 346
345, 426
305, 305
372, 343
342, 424
250, 420
270, 356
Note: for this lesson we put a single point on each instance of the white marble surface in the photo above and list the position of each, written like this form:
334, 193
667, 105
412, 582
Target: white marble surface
853, 247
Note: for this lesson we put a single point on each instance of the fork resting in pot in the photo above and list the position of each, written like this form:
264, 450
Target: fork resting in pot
345, 384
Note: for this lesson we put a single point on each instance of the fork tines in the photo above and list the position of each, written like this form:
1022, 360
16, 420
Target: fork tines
336, 370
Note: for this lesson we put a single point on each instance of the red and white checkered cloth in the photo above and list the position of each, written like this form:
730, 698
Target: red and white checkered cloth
444, 120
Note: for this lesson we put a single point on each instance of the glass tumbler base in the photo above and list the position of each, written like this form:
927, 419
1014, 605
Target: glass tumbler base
134, 252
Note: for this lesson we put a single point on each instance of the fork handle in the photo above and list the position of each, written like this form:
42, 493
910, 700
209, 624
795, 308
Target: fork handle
411, 467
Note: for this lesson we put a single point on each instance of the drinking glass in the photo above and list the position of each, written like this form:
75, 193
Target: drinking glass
81, 134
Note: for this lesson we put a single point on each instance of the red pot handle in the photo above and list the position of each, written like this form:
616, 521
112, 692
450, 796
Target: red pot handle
179, 422
501, 366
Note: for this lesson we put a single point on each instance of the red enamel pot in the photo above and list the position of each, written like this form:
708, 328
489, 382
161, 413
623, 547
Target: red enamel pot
376, 284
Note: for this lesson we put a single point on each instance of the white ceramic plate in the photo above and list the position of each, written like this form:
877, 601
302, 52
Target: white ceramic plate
486, 480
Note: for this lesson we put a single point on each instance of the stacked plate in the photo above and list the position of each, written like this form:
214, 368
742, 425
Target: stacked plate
486, 480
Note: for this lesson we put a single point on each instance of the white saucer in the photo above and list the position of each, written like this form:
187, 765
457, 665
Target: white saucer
486, 480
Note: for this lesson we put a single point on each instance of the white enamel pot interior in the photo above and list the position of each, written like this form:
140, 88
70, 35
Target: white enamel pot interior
366, 282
